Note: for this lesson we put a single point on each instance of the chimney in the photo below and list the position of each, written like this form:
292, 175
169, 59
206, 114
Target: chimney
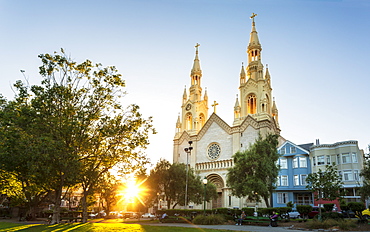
317, 142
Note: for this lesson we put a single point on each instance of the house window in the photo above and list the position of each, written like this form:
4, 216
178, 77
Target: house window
296, 180
283, 163
282, 151
303, 179
302, 162
345, 158
340, 175
295, 162
282, 198
314, 161
338, 159
278, 181
284, 180
328, 159
293, 150
320, 160
229, 200
354, 158
355, 175
347, 175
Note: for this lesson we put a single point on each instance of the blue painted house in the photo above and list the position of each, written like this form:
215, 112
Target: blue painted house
295, 166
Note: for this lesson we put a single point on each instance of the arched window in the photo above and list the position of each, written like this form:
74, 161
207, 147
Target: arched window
188, 121
251, 104
201, 120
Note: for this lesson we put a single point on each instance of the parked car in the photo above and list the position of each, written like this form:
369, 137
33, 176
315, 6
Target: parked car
366, 213
148, 215
348, 214
294, 214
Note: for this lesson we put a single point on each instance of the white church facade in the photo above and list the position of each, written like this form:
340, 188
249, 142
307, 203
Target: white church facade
214, 141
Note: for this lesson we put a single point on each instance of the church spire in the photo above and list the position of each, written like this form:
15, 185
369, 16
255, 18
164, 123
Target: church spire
196, 75
254, 41
242, 75
196, 72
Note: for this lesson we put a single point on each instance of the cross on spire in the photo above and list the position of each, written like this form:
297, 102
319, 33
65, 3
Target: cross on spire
214, 106
252, 17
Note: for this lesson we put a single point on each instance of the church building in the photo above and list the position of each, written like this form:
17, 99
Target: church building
213, 141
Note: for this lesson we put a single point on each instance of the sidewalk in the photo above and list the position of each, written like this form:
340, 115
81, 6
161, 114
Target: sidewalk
227, 227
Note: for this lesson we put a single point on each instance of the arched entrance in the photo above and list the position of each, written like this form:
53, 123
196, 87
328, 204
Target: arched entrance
219, 183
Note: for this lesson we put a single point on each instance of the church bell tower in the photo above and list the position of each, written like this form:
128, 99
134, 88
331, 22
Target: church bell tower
255, 85
194, 107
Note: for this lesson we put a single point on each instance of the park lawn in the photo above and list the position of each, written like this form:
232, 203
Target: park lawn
97, 227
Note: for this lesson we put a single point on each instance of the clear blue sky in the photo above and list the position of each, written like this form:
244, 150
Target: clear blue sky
317, 53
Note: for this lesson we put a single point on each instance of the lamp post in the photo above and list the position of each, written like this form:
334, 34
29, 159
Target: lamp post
205, 181
256, 203
188, 152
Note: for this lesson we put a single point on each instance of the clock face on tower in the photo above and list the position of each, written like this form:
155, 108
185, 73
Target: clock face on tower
188, 107
214, 151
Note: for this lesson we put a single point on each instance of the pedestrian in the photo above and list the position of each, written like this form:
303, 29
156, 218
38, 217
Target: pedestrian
273, 219
241, 218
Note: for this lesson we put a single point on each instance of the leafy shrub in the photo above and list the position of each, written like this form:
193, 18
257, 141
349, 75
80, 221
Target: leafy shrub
330, 215
316, 224
215, 219
304, 209
346, 224
221, 211
248, 211
328, 207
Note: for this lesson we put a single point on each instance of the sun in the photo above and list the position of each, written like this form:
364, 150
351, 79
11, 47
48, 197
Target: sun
133, 190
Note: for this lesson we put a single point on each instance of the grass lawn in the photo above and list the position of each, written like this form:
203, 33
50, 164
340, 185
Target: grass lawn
101, 227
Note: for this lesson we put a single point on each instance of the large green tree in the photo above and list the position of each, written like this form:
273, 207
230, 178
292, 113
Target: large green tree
325, 184
255, 172
169, 180
77, 126
365, 174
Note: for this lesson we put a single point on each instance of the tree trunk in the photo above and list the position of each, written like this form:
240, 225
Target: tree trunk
266, 198
56, 212
84, 207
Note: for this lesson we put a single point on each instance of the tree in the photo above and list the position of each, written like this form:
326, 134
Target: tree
76, 126
365, 173
326, 184
169, 180
254, 173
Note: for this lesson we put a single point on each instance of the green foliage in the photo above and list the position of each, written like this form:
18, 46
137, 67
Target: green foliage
290, 204
326, 184
215, 219
328, 207
170, 180
342, 224
365, 174
331, 215
70, 129
343, 205
304, 209
255, 172
357, 208
248, 211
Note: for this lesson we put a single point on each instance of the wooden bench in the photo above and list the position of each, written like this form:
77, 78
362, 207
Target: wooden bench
71, 219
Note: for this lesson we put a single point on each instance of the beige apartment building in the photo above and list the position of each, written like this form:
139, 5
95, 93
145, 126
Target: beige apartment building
348, 159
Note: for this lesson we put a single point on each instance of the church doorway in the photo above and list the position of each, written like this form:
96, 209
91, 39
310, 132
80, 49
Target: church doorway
219, 183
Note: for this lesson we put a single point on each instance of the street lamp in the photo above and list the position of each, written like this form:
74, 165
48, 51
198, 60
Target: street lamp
188, 152
205, 181
256, 193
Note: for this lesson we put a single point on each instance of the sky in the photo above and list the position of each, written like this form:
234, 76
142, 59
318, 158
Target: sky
317, 52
